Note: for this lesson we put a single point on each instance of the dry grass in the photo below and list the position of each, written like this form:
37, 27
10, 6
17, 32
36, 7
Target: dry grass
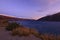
21, 31
47, 36
24, 31
3, 23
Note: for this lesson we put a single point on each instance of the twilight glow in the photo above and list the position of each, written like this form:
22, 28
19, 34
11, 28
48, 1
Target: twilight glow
31, 9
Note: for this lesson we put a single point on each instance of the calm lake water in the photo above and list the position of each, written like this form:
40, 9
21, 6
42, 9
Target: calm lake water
43, 27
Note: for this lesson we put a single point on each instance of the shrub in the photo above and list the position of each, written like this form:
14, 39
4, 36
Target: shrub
12, 26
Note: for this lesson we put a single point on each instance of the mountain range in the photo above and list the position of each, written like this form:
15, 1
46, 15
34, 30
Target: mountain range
54, 17
2, 17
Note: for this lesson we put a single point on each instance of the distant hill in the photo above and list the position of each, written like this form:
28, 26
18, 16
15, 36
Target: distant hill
54, 17
3, 17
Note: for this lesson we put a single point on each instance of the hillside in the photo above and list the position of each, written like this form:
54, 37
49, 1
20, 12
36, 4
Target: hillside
54, 17
3, 17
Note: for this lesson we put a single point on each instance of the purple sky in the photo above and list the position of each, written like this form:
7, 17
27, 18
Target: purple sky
29, 8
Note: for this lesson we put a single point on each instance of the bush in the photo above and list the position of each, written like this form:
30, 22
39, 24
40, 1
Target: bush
12, 26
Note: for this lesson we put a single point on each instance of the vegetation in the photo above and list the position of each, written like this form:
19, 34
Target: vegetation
3, 23
12, 26
17, 29
48, 36
21, 31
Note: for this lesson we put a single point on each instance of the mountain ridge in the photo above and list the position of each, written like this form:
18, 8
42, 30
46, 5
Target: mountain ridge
12, 18
54, 17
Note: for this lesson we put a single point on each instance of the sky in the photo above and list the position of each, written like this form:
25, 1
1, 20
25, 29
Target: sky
31, 9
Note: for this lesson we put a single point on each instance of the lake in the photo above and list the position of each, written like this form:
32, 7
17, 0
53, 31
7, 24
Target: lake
43, 27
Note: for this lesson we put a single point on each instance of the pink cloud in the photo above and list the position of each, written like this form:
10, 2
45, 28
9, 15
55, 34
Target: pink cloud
53, 1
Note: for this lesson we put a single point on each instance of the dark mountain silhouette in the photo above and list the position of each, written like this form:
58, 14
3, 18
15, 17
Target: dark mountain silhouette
3, 17
54, 17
